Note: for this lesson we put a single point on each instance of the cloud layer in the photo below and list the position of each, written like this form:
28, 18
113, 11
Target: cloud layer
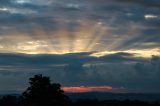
120, 70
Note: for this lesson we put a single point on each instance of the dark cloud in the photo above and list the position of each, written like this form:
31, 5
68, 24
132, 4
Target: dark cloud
153, 3
148, 73
71, 58
120, 69
152, 66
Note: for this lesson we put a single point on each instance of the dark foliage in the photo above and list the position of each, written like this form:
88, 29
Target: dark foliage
44, 93
8, 101
88, 102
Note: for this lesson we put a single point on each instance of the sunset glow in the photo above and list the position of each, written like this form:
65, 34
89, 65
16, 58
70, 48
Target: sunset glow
146, 53
88, 89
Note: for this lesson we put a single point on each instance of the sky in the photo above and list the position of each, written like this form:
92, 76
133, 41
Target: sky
85, 45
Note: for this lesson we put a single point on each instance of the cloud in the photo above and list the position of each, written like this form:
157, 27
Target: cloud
77, 59
80, 69
153, 3
21, 17
151, 67
148, 73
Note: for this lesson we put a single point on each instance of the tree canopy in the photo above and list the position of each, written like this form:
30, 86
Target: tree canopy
44, 93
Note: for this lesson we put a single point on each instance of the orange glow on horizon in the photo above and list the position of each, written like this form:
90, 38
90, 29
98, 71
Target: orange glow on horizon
87, 88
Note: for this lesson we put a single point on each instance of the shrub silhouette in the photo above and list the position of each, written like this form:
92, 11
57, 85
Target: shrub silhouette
44, 93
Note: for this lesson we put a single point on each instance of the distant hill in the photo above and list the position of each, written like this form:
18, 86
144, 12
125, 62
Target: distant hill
114, 96
109, 96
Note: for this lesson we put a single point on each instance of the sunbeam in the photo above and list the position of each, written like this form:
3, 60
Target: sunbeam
86, 37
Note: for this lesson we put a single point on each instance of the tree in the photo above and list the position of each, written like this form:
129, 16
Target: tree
8, 101
44, 93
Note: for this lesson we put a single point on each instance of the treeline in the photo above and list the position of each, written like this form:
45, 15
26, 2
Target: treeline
18, 101
91, 102
42, 92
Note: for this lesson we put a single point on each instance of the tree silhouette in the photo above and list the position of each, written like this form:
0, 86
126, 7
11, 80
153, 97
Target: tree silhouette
8, 101
44, 93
